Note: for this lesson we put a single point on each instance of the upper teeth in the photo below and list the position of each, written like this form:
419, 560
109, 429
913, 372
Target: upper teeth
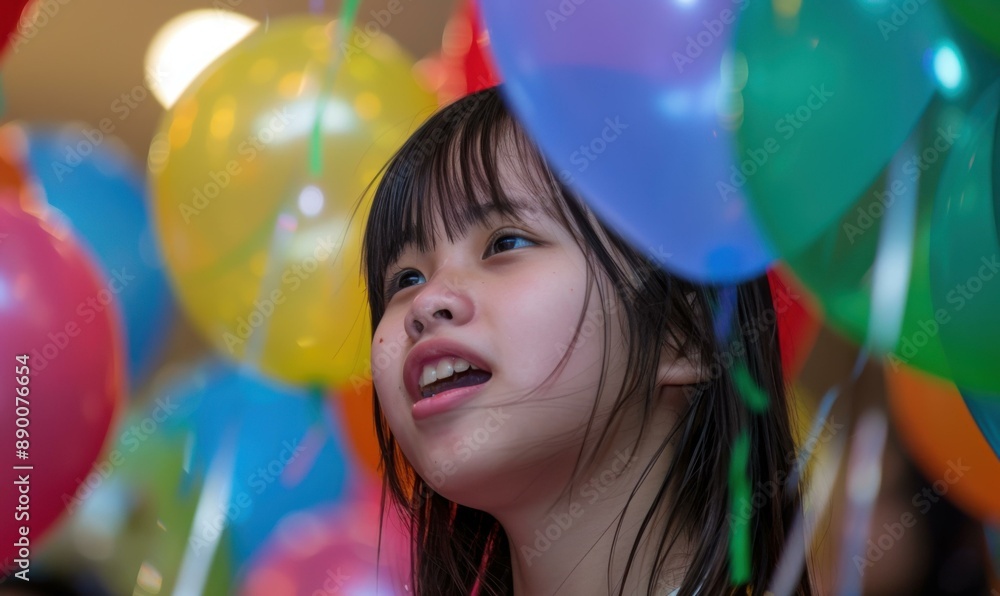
444, 368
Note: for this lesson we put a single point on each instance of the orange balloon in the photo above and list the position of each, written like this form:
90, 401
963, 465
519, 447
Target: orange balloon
355, 403
941, 435
14, 182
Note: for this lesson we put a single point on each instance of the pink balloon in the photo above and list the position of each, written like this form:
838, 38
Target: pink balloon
60, 337
333, 550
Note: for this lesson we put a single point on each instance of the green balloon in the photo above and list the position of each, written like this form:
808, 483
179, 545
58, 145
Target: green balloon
830, 94
981, 17
839, 269
149, 467
839, 265
965, 265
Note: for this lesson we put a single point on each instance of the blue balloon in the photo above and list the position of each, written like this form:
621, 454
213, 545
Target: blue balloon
93, 181
279, 445
635, 124
986, 412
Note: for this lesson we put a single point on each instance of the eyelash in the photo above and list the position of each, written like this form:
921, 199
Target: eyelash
394, 279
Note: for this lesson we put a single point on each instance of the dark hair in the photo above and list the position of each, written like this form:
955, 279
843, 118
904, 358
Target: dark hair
450, 165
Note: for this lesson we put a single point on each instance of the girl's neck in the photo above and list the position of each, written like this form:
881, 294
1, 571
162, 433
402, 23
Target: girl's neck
564, 545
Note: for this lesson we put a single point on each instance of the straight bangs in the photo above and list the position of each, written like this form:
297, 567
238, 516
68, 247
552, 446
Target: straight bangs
448, 174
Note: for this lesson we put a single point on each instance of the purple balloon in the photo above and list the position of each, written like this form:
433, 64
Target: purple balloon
629, 104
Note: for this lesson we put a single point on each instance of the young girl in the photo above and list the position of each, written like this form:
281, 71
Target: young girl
555, 412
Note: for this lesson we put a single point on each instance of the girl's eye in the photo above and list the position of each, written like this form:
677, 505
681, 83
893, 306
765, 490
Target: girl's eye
403, 280
508, 242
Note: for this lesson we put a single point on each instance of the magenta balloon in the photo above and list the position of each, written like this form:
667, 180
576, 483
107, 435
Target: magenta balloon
334, 550
60, 337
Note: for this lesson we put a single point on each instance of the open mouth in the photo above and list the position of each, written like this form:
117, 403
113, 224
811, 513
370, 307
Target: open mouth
450, 372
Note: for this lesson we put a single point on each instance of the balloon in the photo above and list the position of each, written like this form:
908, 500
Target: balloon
633, 124
10, 15
265, 256
982, 18
824, 95
355, 404
64, 358
993, 545
985, 411
333, 551
798, 327
944, 441
14, 183
841, 267
92, 180
287, 452
138, 504
469, 66
965, 260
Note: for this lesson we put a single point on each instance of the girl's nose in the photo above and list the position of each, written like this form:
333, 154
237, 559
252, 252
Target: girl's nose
440, 302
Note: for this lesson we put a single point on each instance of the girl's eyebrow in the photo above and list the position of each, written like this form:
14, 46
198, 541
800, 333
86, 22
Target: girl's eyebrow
523, 211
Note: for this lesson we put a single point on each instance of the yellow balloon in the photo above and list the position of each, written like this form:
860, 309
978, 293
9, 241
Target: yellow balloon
256, 220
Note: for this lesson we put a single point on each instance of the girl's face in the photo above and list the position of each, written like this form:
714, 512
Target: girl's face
507, 298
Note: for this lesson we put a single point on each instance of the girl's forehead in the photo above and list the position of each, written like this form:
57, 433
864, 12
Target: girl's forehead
522, 209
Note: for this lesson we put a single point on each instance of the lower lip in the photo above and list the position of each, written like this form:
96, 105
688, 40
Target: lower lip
442, 402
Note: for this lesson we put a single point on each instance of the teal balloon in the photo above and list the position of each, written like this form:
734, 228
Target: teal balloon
985, 411
993, 545
965, 259
91, 179
827, 95
980, 17
838, 265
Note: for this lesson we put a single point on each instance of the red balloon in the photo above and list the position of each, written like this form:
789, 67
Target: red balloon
797, 326
61, 350
10, 15
464, 51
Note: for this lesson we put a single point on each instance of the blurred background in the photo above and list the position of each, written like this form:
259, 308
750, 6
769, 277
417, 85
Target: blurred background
178, 184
